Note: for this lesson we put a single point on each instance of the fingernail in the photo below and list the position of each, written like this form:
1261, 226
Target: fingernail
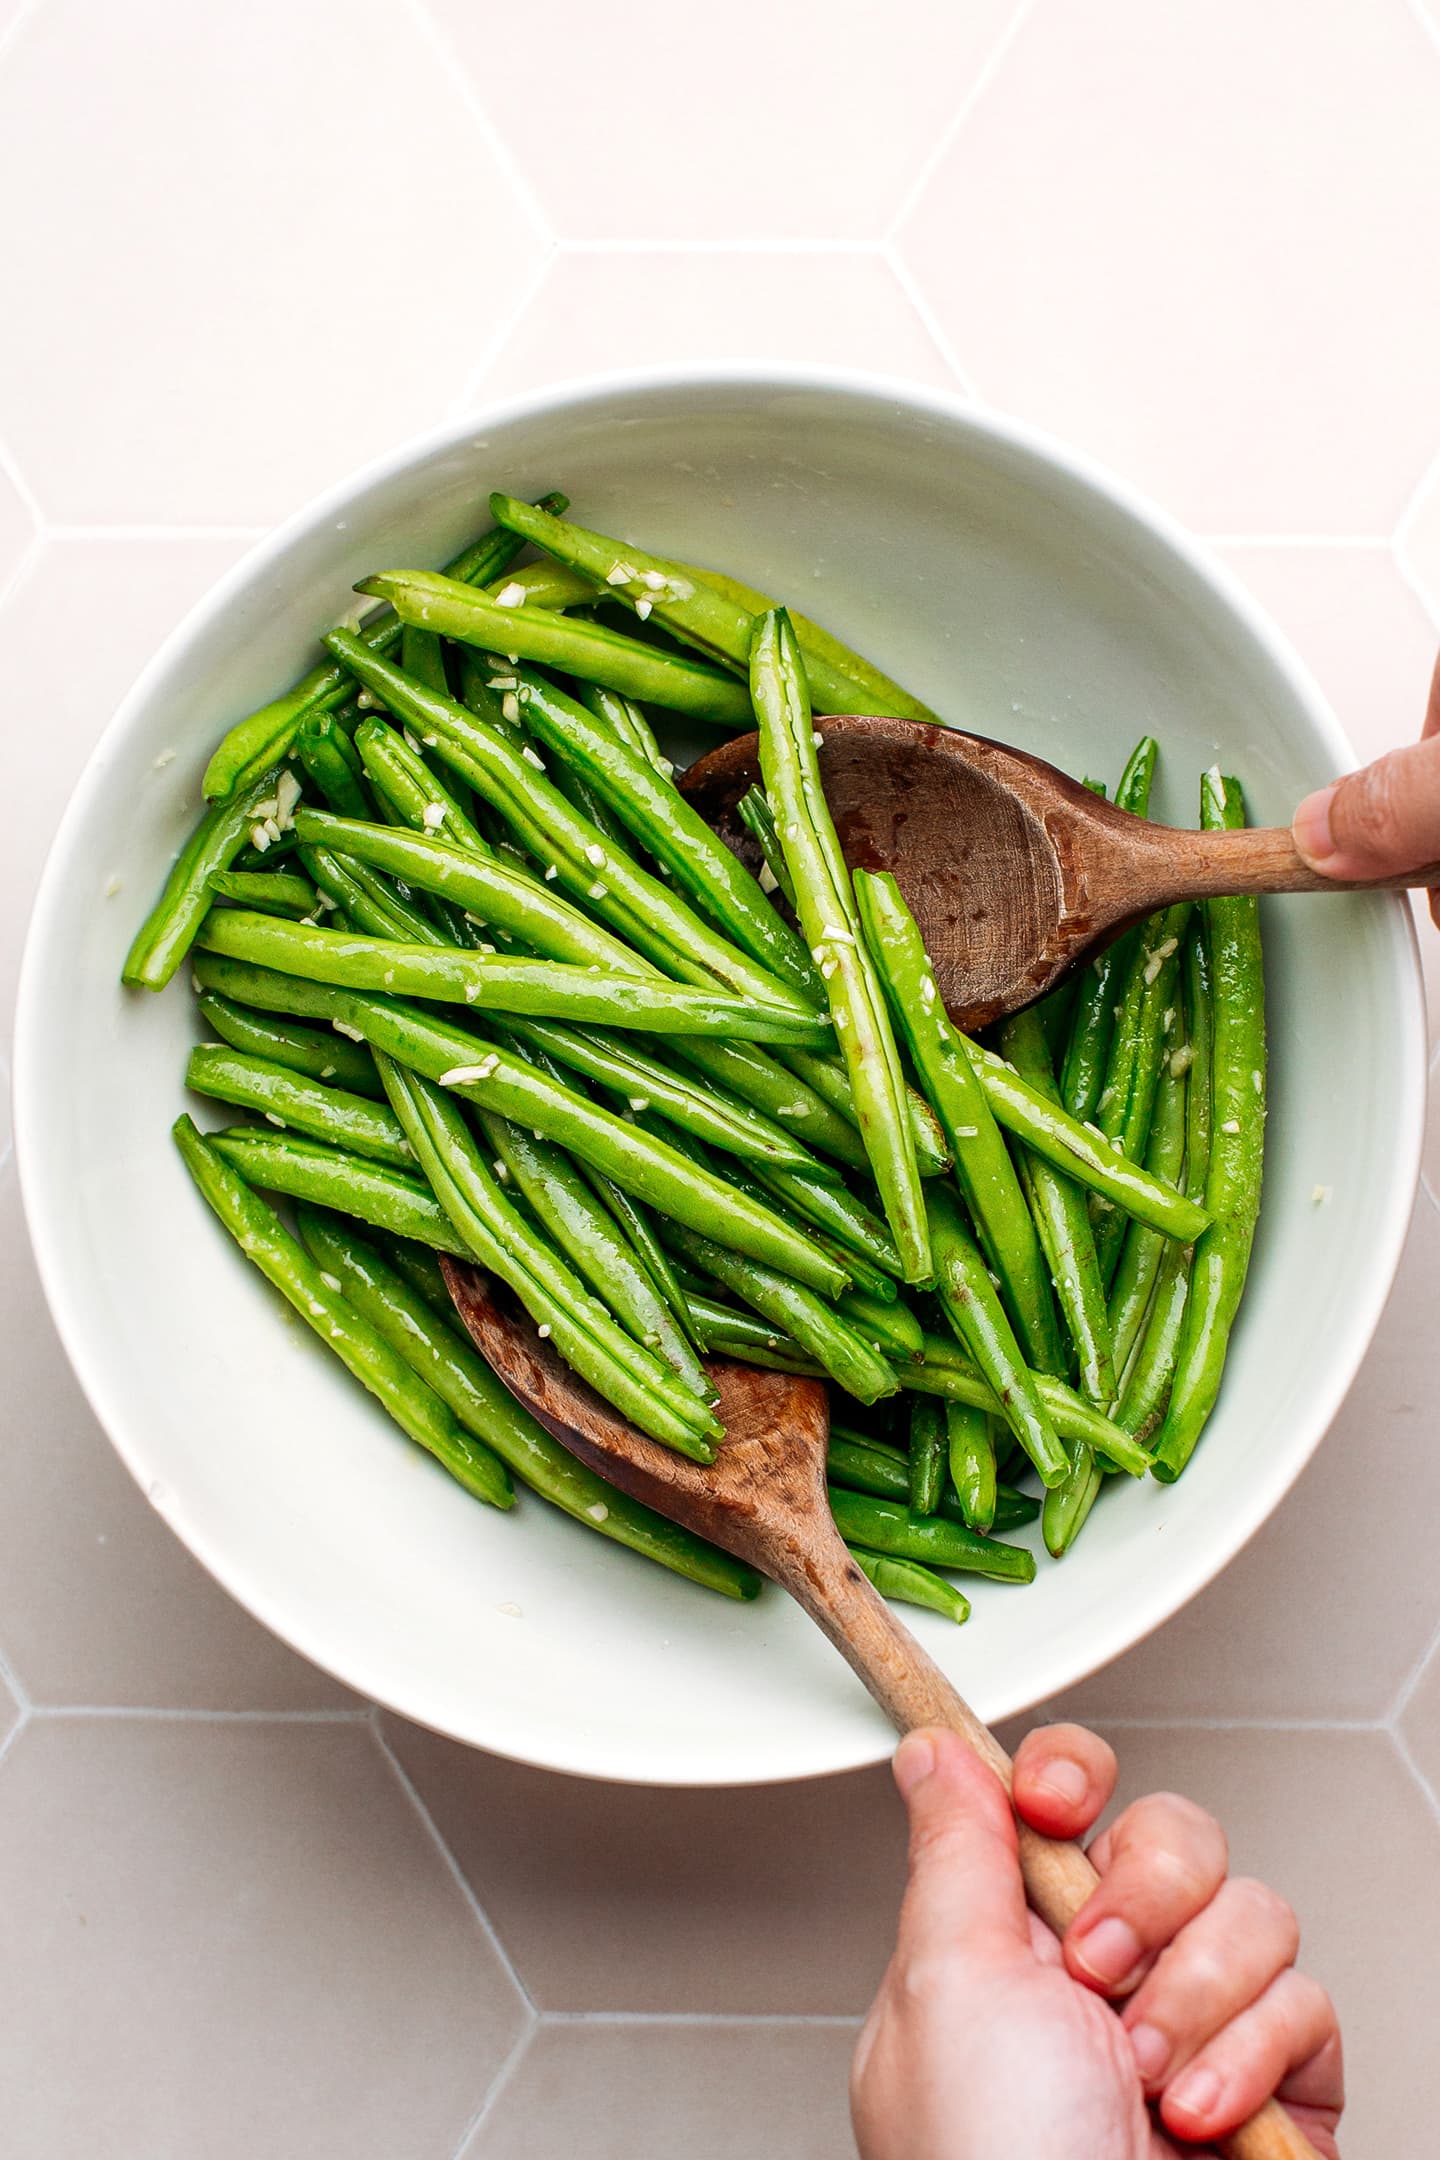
1110, 1952
914, 1761
1197, 2093
1151, 2050
1310, 826
1065, 1779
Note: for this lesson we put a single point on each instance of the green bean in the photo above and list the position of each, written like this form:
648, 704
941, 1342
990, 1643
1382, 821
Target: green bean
644, 1082
973, 1309
280, 892
623, 1371
753, 811
971, 1449
351, 1184
491, 983
888, 1327
1140, 1047
808, 1320
303, 1049
865, 1467
317, 749
404, 1293
587, 1235
1083, 1076
947, 1370
759, 1078
585, 649
910, 1584
288, 1100
882, 1526
983, 1169
422, 654
829, 1080
730, 1333
825, 656
927, 1454
1199, 1061
1068, 1505
631, 1217
1062, 1219
625, 720
695, 611
831, 928
1152, 1369
844, 1218
1080, 1152
414, 794
414, 1406
1237, 1149
638, 906
654, 1171
651, 807
546, 584
367, 900
482, 885
1143, 1249
168, 931
264, 736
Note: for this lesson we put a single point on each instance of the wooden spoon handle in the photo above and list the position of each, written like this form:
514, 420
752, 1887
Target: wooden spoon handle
912, 1691
1184, 865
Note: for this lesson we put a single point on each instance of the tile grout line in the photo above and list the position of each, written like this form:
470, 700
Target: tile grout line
1370, 541
1232, 1724
900, 270
441, 1844
1427, 22
57, 1713
753, 244
468, 92
836, 2021
26, 1714
1427, 1791
498, 2084
931, 165
9, 463
1406, 1692
495, 344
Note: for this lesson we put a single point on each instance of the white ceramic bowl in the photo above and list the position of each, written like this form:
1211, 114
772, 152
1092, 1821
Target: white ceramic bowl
1024, 595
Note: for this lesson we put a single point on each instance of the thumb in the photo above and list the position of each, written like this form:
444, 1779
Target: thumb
1376, 822
964, 1878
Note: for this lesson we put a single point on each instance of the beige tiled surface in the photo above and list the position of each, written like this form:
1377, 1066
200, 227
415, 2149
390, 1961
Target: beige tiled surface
1197, 240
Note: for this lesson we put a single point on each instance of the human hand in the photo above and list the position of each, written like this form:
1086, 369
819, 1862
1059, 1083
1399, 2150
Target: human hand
1384, 818
989, 2039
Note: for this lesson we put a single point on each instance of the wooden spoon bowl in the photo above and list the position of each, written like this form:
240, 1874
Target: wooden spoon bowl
1012, 870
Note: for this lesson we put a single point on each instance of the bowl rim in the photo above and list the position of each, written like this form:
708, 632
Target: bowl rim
1345, 1351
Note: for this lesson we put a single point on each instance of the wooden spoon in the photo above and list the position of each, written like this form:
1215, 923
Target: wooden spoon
763, 1499
1012, 870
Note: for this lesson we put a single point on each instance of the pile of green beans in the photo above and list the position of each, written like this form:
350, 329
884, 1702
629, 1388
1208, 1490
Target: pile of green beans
478, 980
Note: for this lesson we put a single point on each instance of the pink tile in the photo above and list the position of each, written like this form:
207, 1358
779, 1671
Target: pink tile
1190, 238
626, 1897
761, 122
275, 251
610, 311
1324, 1614
634, 2092
233, 1940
